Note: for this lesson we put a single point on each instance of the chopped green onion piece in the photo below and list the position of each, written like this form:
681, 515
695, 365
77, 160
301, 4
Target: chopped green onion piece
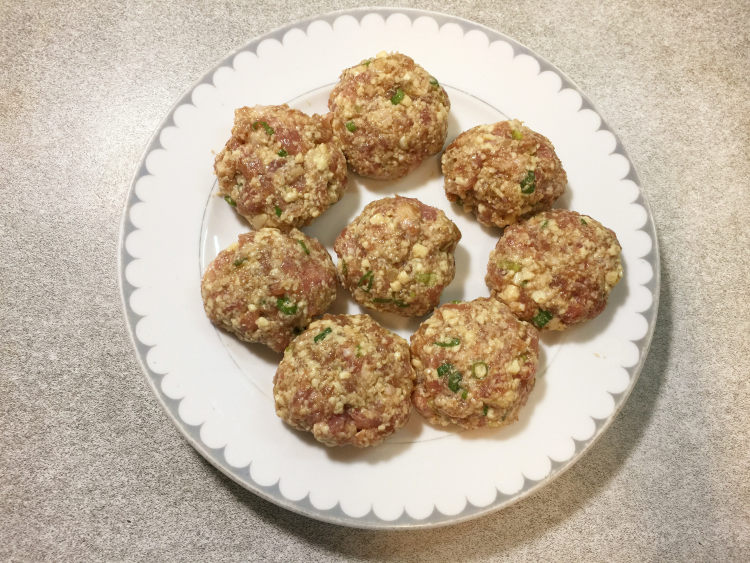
239, 262
544, 224
426, 278
366, 278
230, 201
583, 221
396, 302
351, 126
523, 357
282, 152
541, 318
528, 184
433, 82
321, 335
509, 265
344, 268
277, 210
516, 134
485, 410
444, 369
286, 305
479, 370
266, 126
367, 62
465, 394
454, 381
359, 351
397, 97
456, 301
448, 343
304, 246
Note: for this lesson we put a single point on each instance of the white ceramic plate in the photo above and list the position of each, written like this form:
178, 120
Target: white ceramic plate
218, 390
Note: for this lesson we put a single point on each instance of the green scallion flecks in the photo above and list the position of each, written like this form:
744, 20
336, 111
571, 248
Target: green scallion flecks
322, 335
454, 381
479, 370
286, 305
304, 246
528, 184
230, 201
426, 278
398, 96
366, 279
448, 343
351, 126
268, 129
444, 369
282, 152
541, 318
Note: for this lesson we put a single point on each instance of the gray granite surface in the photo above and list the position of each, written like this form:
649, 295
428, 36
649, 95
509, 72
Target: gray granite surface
91, 467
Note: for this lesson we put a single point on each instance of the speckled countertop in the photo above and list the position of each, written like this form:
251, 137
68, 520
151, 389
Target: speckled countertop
92, 468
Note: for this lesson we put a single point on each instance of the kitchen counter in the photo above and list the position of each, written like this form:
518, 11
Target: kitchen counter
93, 468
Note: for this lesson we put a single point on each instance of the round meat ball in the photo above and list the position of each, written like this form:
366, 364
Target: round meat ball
347, 380
475, 364
281, 167
555, 269
397, 256
502, 172
389, 114
268, 285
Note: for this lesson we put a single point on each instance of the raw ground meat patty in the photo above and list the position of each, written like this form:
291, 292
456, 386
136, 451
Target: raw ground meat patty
397, 256
475, 364
281, 167
347, 380
555, 269
389, 114
502, 172
268, 286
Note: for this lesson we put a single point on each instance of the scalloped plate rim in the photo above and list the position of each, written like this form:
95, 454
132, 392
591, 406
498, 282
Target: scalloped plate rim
370, 520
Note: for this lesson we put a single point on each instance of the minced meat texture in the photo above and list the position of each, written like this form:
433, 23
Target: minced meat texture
397, 256
555, 269
268, 286
502, 172
475, 364
389, 114
281, 167
347, 380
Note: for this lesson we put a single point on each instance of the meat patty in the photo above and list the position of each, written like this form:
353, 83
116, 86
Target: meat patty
397, 256
555, 269
389, 114
502, 172
475, 364
268, 286
281, 167
347, 380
